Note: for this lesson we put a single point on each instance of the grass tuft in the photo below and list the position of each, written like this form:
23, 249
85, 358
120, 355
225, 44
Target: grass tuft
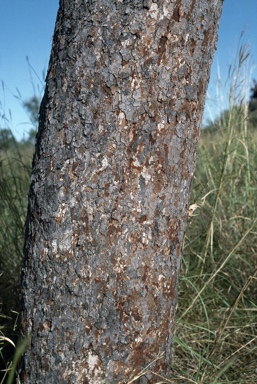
216, 323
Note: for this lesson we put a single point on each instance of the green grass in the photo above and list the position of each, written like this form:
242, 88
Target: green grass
216, 322
15, 168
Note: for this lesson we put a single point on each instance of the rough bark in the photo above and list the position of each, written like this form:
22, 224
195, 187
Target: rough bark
115, 156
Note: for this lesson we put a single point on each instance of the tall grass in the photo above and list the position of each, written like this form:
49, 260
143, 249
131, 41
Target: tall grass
15, 168
216, 323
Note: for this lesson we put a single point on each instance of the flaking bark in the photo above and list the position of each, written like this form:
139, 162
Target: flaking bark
114, 161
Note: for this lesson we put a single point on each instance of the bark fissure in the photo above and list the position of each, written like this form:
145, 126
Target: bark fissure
115, 156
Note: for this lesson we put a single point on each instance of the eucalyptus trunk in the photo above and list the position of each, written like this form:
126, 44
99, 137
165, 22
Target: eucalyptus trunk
108, 203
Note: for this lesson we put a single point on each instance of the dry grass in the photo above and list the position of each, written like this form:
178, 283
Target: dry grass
216, 323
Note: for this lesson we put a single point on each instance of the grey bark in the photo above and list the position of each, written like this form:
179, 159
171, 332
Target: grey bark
114, 161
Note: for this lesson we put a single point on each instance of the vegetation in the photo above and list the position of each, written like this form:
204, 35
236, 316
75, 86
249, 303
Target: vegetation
215, 338
15, 169
216, 322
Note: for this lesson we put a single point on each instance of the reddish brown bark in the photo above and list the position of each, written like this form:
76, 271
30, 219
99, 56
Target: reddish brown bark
115, 156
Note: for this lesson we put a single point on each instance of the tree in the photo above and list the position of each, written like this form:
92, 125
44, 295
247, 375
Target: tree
112, 172
253, 97
7, 140
32, 107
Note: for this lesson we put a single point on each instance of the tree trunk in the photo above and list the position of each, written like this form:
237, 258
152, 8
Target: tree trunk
108, 203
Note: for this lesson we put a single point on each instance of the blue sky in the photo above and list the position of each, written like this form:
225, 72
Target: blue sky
26, 31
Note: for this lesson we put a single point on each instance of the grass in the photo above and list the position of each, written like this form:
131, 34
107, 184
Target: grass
15, 168
216, 323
